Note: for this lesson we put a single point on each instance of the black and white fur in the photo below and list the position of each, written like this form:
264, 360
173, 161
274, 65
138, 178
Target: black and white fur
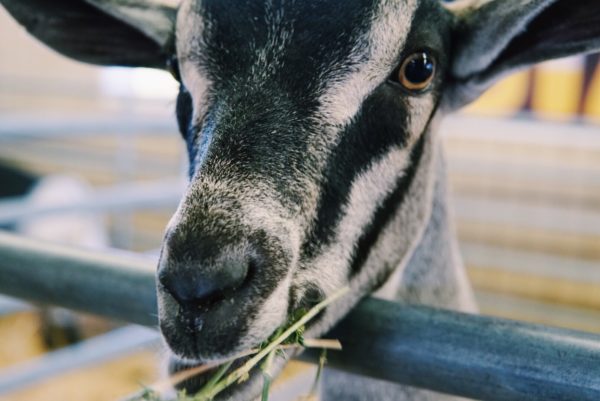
310, 167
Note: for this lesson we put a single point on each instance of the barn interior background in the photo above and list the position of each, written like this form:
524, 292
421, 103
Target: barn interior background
102, 146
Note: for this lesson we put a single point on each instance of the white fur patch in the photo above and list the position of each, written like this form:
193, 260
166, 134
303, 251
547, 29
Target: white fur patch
368, 192
420, 109
341, 101
271, 315
395, 244
390, 26
190, 28
343, 96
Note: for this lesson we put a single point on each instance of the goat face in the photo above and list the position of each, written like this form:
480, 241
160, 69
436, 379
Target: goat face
299, 133
308, 129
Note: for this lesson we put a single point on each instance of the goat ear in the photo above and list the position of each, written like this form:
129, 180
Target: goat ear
132, 33
493, 37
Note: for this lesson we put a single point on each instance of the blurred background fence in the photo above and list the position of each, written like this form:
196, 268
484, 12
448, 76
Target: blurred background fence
98, 148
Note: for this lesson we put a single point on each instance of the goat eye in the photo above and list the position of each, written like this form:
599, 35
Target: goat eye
417, 71
173, 67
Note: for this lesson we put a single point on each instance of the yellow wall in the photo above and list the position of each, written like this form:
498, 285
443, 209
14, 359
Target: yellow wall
557, 88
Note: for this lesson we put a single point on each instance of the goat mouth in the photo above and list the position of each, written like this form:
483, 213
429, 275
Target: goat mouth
249, 388
205, 338
195, 383
222, 329
209, 332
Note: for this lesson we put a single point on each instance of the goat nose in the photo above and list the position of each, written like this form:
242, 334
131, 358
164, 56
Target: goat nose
198, 282
200, 285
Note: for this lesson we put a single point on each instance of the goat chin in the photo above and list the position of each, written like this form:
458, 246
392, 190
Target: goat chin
248, 390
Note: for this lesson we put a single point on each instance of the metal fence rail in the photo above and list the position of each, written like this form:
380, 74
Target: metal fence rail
105, 347
119, 197
32, 126
472, 356
112, 284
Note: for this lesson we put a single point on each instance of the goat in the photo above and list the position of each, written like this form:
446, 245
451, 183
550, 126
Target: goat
314, 162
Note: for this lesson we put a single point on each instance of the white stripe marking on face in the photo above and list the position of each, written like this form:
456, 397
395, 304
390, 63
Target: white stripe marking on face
341, 101
396, 243
369, 190
190, 30
344, 95
390, 26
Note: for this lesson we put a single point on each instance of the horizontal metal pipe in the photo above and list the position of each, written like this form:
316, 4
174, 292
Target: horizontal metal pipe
113, 284
118, 343
8, 306
32, 126
468, 355
166, 193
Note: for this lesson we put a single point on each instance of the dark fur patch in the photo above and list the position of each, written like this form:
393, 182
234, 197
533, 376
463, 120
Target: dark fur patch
322, 35
386, 211
379, 126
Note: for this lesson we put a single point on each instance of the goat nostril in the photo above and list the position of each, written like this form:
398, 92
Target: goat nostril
175, 285
204, 286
